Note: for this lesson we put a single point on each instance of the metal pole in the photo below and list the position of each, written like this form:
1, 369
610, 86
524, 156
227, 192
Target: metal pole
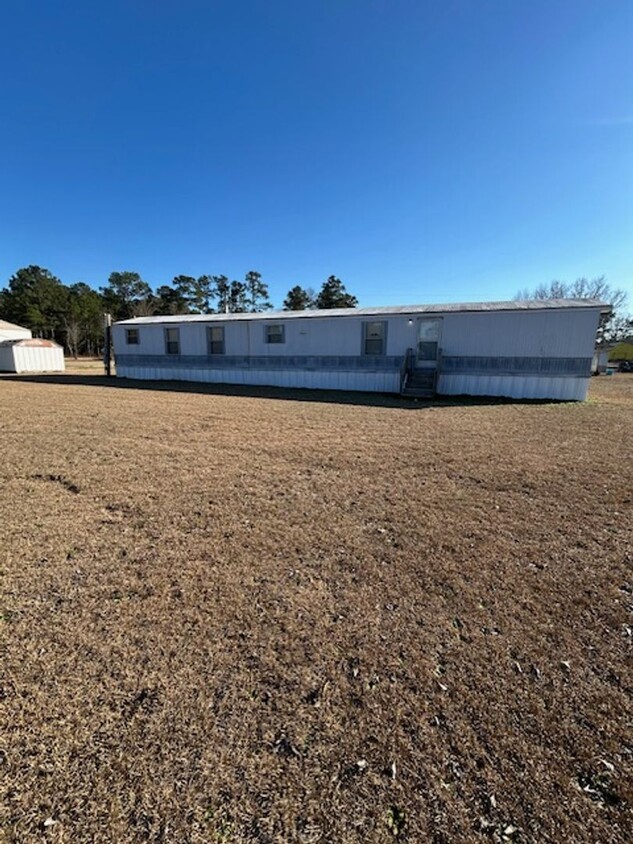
107, 347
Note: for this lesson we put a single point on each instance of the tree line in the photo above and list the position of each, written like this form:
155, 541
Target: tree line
73, 315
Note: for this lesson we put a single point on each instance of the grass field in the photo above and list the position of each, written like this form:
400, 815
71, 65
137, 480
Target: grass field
233, 618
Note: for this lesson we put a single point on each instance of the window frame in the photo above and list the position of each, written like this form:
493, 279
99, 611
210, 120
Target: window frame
169, 342
424, 347
274, 325
210, 341
135, 332
364, 338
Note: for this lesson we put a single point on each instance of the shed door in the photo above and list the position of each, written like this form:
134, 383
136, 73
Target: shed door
429, 332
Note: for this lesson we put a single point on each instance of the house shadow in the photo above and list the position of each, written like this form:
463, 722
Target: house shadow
342, 397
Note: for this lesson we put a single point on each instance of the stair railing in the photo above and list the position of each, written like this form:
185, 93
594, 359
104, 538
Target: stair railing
437, 370
405, 369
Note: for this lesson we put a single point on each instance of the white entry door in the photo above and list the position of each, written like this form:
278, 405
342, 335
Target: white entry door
429, 333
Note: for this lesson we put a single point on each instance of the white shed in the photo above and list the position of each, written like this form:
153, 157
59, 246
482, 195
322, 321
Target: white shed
31, 355
9, 331
531, 349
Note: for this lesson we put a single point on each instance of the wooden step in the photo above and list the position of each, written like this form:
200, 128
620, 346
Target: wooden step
420, 385
416, 393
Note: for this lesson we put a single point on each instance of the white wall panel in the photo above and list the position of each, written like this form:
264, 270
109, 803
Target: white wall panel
555, 333
546, 333
38, 359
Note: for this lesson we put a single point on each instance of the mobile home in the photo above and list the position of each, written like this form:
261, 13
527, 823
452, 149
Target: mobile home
529, 349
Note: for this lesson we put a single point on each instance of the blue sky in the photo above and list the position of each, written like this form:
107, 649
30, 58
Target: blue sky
422, 151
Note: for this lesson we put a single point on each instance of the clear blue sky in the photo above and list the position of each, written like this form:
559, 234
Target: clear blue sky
422, 151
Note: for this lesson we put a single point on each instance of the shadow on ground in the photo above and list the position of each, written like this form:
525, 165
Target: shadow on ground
278, 393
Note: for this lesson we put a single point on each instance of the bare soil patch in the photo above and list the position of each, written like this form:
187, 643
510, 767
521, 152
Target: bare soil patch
241, 619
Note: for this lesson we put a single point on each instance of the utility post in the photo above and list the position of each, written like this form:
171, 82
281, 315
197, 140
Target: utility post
107, 346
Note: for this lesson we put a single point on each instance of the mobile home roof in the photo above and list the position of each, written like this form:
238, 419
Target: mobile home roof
462, 307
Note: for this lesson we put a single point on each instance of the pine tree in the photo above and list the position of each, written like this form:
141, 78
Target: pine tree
298, 299
237, 297
334, 295
257, 297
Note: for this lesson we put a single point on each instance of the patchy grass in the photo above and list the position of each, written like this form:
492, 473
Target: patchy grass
238, 619
623, 351
85, 365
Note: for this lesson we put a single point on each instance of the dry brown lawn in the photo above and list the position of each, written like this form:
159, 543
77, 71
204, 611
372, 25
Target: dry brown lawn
84, 366
233, 618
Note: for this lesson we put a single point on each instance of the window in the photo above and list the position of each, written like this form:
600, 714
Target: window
429, 329
215, 339
427, 350
274, 334
374, 334
131, 336
172, 341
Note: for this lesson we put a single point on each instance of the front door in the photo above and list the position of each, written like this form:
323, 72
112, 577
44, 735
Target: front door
427, 350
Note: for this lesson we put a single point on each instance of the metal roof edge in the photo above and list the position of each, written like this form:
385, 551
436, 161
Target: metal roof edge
390, 310
31, 343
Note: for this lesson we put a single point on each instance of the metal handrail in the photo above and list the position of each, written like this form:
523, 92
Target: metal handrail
405, 369
438, 366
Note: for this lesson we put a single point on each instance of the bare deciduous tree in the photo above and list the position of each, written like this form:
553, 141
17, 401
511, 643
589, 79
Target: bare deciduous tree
585, 288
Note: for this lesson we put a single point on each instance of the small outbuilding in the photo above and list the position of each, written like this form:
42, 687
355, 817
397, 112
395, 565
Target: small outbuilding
31, 355
525, 350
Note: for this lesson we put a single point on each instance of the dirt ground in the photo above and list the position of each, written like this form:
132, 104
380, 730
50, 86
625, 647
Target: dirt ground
237, 618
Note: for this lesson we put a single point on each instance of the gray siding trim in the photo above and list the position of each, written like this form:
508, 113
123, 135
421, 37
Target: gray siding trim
516, 366
450, 365
308, 362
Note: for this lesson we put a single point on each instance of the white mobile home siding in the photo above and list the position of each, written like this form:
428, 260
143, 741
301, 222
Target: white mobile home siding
519, 353
554, 335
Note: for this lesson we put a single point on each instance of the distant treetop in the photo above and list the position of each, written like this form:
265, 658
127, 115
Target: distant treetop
334, 295
613, 327
298, 299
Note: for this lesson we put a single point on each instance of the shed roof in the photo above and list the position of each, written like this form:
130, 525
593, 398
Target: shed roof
31, 342
453, 307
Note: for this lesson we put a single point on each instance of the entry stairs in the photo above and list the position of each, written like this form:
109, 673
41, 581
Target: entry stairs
419, 385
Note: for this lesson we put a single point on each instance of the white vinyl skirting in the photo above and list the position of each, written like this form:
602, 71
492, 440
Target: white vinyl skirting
515, 386
376, 382
510, 386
